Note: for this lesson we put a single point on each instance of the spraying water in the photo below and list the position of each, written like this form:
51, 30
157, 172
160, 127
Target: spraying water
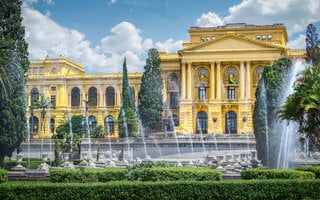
288, 130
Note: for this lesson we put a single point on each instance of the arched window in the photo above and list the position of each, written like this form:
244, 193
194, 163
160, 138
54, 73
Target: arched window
75, 96
34, 96
259, 72
202, 123
109, 124
92, 96
110, 100
231, 122
33, 125
52, 125
92, 121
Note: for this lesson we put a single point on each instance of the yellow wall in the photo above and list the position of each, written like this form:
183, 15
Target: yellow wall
232, 49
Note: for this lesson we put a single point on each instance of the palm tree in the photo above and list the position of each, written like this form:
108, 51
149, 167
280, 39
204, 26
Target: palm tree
43, 104
303, 106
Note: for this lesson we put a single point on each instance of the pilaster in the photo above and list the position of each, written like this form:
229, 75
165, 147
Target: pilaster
218, 82
212, 80
189, 81
242, 71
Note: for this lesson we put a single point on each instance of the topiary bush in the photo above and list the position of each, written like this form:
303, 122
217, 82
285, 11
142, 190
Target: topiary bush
84, 175
179, 174
3, 175
134, 172
309, 168
275, 174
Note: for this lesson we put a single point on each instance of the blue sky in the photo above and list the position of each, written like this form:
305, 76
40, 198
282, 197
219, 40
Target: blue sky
100, 33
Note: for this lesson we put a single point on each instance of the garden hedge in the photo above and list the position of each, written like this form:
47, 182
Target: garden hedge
275, 174
84, 175
3, 175
179, 174
309, 168
231, 190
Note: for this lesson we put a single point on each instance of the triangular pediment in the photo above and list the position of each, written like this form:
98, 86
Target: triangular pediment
231, 43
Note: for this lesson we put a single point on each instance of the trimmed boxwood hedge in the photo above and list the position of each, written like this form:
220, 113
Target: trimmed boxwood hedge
85, 175
3, 175
275, 174
179, 174
231, 190
309, 168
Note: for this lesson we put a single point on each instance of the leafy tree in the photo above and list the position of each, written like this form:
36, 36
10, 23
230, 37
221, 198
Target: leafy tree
13, 65
150, 94
75, 127
312, 45
127, 120
303, 106
97, 132
268, 99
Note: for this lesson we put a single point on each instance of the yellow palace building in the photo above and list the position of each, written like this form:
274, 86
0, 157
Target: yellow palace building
208, 86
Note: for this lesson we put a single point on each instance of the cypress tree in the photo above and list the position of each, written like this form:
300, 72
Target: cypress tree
128, 123
268, 101
150, 94
312, 45
13, 64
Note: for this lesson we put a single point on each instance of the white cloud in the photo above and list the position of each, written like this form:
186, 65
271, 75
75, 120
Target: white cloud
295, 14
46, 37
169, 46
126, 37
209, 19
298, 43
112, 2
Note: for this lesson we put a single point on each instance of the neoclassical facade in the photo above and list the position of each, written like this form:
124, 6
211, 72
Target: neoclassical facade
209, 85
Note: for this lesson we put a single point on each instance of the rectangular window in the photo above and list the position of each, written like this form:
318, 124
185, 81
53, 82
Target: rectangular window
41, 71
173, 99
53, 99
29, 71
35, 71
231, 92
53, 88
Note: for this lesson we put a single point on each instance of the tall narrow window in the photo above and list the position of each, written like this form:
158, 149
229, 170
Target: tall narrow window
52, 125
93, 96
109, 125
34, 125
110, 100
231, 92
53, 99
231, 122
92, 121
202, 93
173, 99
75, 96
34, 96
202, 123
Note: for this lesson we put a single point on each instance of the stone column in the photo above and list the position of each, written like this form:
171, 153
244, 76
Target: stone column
242, 80
248, 79
212, 79
189, 82
183, 81
218, 85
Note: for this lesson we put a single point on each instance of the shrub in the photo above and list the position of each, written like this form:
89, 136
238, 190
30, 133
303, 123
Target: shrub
180, 174
276, 174
85, 175
3, 175
135, 170
242, 189
309, 168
